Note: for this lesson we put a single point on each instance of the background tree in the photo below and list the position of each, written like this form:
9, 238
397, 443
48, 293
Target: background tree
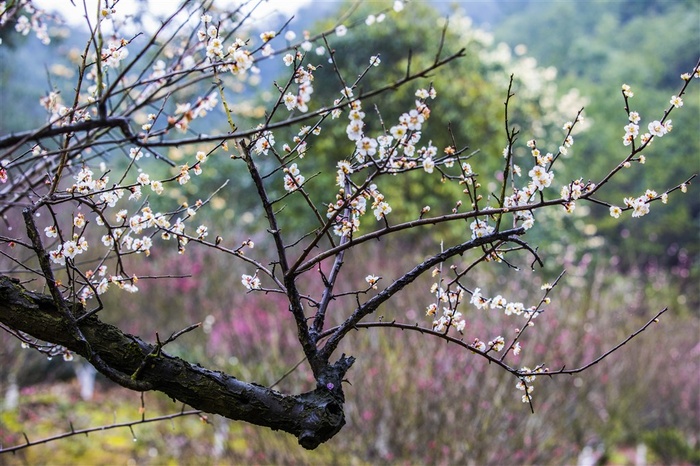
67, 193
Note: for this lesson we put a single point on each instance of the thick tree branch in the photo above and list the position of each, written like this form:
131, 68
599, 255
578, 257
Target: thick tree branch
313, 417
295, 306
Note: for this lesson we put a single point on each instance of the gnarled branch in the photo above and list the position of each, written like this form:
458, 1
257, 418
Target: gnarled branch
313, 417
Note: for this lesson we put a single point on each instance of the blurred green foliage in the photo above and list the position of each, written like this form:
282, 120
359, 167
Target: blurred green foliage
599, 46
647, 44
468, 111
671, 446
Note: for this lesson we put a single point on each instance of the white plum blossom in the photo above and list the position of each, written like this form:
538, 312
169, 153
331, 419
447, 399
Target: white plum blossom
250, 282
676, 101
293, 179
478, 300
541, 178
497, 343
290, 101
241, 60
354, 130
143, 179
366, 147
627, 91
640, 206
381, 210
372, 281
480, 228
264, 143
202, 232
115, 52
656, 128
514, 308
413, 120
102, 286
516, 348
344, 169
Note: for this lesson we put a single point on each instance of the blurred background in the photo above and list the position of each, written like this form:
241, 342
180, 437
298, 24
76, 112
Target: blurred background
412, 400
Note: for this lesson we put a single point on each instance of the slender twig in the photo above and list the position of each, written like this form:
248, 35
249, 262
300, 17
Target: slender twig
155, 352
563, 370
291, 121
330, 282
511, 135
493, 359
90, 430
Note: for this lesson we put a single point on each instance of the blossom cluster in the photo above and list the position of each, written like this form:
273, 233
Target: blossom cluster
293, 179
449, 300
251, 282
397, 149
480, 228
541, 177
237, 60
656, 128
303, 77
639, 205
351, 205
114, 53
126, 233
525, 382
36, 21
186, 112
99, 283
264, 142
509, 308
68, 249
60, 114
392, 152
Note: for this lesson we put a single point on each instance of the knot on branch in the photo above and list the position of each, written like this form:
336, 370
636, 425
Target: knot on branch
323, 422
332, 375
328, 416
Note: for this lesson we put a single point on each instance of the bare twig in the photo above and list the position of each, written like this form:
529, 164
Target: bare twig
73, 432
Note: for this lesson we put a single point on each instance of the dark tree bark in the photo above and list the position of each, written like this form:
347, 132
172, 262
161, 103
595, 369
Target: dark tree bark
313, 417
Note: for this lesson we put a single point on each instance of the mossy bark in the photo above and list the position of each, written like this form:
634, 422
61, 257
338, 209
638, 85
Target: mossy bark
313, 417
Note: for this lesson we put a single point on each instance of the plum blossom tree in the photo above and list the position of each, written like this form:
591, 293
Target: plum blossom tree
85, 201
